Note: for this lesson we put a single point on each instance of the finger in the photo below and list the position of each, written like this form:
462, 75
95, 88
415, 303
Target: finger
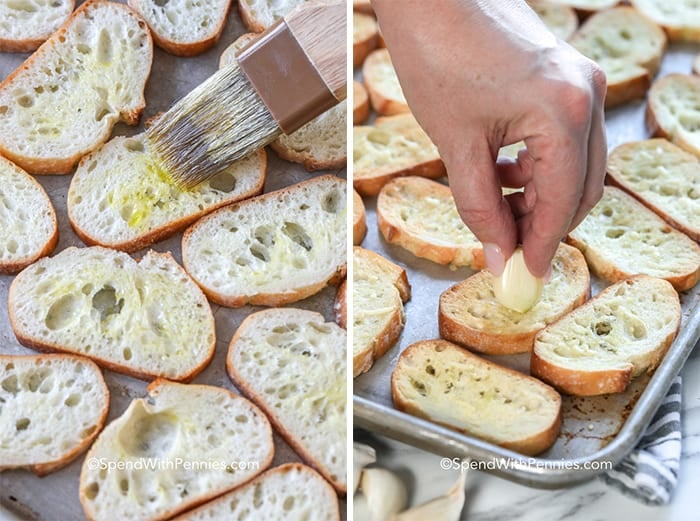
519, 205
512, 174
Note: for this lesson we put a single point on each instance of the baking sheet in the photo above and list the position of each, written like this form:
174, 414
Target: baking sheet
595, 430
55, 497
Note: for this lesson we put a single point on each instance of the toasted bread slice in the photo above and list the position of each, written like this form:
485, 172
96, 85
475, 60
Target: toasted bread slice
360, 103
180, 446
559, 18
364, 37
680, 19
290, 492
24, 26
673, 110
627, 46
274, 249
382, 84
300, 383
379, 290
420, 215
395, 146
470, 315
183, 27
445, 384
618, 335
64, 100
51, 408
120, 198
359, 219
27, 219
620, 237
145, 319
663, 177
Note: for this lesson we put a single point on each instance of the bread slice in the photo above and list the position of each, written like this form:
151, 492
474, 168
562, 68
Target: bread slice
25, 25
146, 319
420, 215
620, 334
274, 249
395, 146
359, 219
680, 19
627, 46
183, 27
559, 18
445, 384
290, 492
383, 85
586, 8
340, 305
663, 177
228, 56
379, 291
258, 15
64, 100
120, 198
620, 237
292, 364
178, 447
27, 219
360, 100
364, 37
673, 110
470, 315
51, 408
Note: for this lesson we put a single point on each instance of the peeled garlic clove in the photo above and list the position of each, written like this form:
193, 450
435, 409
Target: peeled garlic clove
516, 288
363, 455
385, 493
444, 508
360, 510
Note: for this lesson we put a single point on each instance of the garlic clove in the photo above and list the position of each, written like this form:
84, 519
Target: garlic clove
385, 493
360, 510
516, 288
363, 455
444, 508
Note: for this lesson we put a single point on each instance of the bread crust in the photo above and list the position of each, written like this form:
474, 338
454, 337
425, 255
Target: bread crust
382, 103
360, 99
27, 44
340, 305
249, 19
365, 42
359, 219
42, 469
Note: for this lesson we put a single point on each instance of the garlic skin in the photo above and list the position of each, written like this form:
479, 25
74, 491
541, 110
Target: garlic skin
516, 288
385, 493
363, 455
444, 508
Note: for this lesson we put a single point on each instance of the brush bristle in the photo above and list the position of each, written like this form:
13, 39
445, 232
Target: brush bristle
220, 121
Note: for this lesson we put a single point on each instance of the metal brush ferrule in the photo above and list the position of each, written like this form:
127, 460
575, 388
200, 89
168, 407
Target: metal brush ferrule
285, 78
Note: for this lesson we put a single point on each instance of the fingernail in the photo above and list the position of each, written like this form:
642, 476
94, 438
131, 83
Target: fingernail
494, 259
547, 274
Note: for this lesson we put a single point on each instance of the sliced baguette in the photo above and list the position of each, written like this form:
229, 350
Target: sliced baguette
359, 219
199, 442
292, 364
228, 56
364, 37
445, 384
663, 177
258, 15
360, 100
680, 19
379, 291
27, 219
382, 84
25, 25
587, 7
340, 305
120, 198
274, 249
64, 100
51, 408
420, 215
620, 334
470, 315
290, 492
559, 18
183, 27
395, 146
145, 319
620, 237
673, 110
627, 46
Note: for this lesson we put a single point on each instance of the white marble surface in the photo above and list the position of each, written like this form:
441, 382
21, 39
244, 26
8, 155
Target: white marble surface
489, 498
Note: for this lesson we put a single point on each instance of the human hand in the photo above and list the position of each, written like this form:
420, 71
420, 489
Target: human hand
481, 74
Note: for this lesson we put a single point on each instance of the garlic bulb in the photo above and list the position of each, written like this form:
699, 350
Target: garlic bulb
363, 455
516, 288
444, 508
385, 493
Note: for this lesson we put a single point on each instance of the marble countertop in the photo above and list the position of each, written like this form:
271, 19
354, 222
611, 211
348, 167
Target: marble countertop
489, 498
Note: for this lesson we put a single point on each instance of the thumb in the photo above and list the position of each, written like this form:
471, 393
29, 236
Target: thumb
478, 195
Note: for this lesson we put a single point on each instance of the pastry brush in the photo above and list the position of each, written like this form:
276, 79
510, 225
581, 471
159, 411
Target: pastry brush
290, 74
